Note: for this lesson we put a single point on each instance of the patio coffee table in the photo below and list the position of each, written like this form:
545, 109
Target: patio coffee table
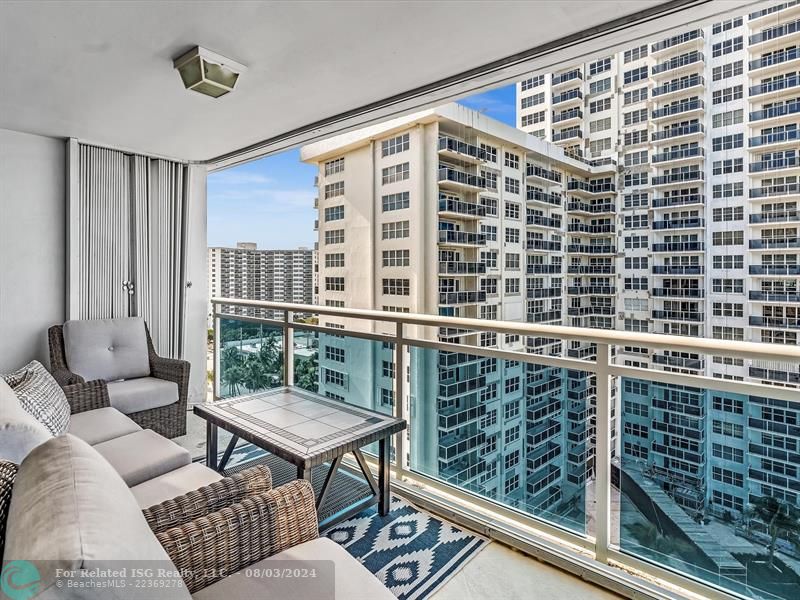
307, 430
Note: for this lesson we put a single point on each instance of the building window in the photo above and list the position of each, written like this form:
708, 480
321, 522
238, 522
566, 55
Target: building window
726, 25
635, 75
387, 397
395, 145
634, 96
334, 166
395, 230
334, 284
334, 236
334, 189
727, 166
332, 377
396, 258
600, 105
727, 46
395, 173
512, 285
334, 354
512, 210
597, 87
728, 142
511, 185
397, 201
532, 82
634, 54
396, 287
512, 235
511, 160
334, 213
725, 119
334, 260
528, 101
727, 94
725, 71
599, 66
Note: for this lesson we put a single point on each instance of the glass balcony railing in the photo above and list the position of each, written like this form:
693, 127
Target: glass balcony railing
776, 58
591, 269
553, 292
679, 223
471, 209
774, 138
591, 249
678, 108
680, 154
769, 191
535, 195
591, 208
456, 176
542, 221
543, 269
655, 468
679, 177
574, 113
673, 132
678, 269
775, 243
591, 229
679, 247
678, 85
591, 187
774, 269
775, 164
776, 85
775, 32
447, 236
677, 40
678, 62
788, 296
593, 290
771, 10
544, 245
472, 297
773, 112
461, 268
567, 134
678, 200
678, 292
532, 170
567, 96
572, 75
451, 144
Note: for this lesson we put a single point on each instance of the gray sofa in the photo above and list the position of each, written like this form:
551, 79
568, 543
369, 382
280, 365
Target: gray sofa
77, 503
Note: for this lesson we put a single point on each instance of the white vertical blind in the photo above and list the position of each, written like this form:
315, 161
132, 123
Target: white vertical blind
132, 237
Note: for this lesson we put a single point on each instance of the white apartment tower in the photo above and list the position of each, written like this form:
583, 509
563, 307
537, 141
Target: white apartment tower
704, 126
449, 212
251, 274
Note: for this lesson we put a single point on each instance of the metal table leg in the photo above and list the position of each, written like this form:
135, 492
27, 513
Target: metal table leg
383, 477
227, 454
211, 445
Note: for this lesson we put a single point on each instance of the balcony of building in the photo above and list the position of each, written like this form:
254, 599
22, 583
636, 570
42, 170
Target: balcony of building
536, 220
448, 237
679, 199
565, 118
782, 190
776, 86
768, 15
678, 87
788, 138
773, 270
461, 268
775, 322
776, 113
694, 270
679, 155
678, 292
678, 110
543, 269
568, 99
789, 295
454, 208
773, 62
774, 35
596, 208
542, 197
784, 165
537, 173
590, 189
571, 134
678, 43
678, 178
683, 64
461, 181
686, 223
541, 245
454, 148
775, 243
459, 298
678, 133
561, 79
607, 268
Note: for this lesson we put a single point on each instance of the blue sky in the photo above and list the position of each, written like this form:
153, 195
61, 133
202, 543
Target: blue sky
271, 201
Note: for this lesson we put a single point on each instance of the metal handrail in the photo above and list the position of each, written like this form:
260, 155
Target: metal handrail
751, 350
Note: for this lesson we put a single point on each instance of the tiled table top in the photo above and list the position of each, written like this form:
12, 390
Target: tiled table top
298, 425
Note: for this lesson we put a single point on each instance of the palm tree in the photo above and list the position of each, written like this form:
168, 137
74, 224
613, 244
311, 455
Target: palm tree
235, 376
269, 353
306, 372
255, 377
778, 517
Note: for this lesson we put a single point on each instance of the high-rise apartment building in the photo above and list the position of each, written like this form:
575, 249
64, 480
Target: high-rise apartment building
249, 273
470, 217
704, 126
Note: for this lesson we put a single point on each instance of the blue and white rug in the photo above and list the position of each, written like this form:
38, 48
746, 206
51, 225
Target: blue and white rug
411, 552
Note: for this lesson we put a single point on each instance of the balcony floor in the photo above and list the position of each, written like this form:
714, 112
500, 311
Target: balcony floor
480, 578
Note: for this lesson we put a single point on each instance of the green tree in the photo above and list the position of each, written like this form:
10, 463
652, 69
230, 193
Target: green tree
255, 375
306, 372
270, 352
235, 377
778, 517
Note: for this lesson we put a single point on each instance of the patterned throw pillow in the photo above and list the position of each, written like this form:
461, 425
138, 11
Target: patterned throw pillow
41, 396
8, 471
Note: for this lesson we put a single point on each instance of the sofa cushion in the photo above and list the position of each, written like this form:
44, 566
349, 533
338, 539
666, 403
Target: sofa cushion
107, 349
71, 510
8, 471
40, 395
352, 581
101, 424
134, 395
19, 431
143, 455
173, 484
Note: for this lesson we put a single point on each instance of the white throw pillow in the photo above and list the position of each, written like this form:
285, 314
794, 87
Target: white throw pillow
40, 396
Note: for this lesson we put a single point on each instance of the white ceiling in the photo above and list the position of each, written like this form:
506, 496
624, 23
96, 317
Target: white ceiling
102, 71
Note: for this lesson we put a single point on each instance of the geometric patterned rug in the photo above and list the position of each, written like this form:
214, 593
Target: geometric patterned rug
411, 552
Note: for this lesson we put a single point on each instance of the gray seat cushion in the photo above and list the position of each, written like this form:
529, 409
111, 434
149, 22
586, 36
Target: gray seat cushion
143, 455
40, 395
71, 510
100, 425
107, 349
352, 581
19, 431
173, 484
134, 395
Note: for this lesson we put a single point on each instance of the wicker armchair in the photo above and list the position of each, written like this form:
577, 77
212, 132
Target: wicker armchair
169, 421
206, 548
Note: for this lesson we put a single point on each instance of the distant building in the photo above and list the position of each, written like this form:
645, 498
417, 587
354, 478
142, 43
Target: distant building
251, 274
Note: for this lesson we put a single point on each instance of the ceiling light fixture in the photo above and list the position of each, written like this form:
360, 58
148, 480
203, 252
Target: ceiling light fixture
207, 72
